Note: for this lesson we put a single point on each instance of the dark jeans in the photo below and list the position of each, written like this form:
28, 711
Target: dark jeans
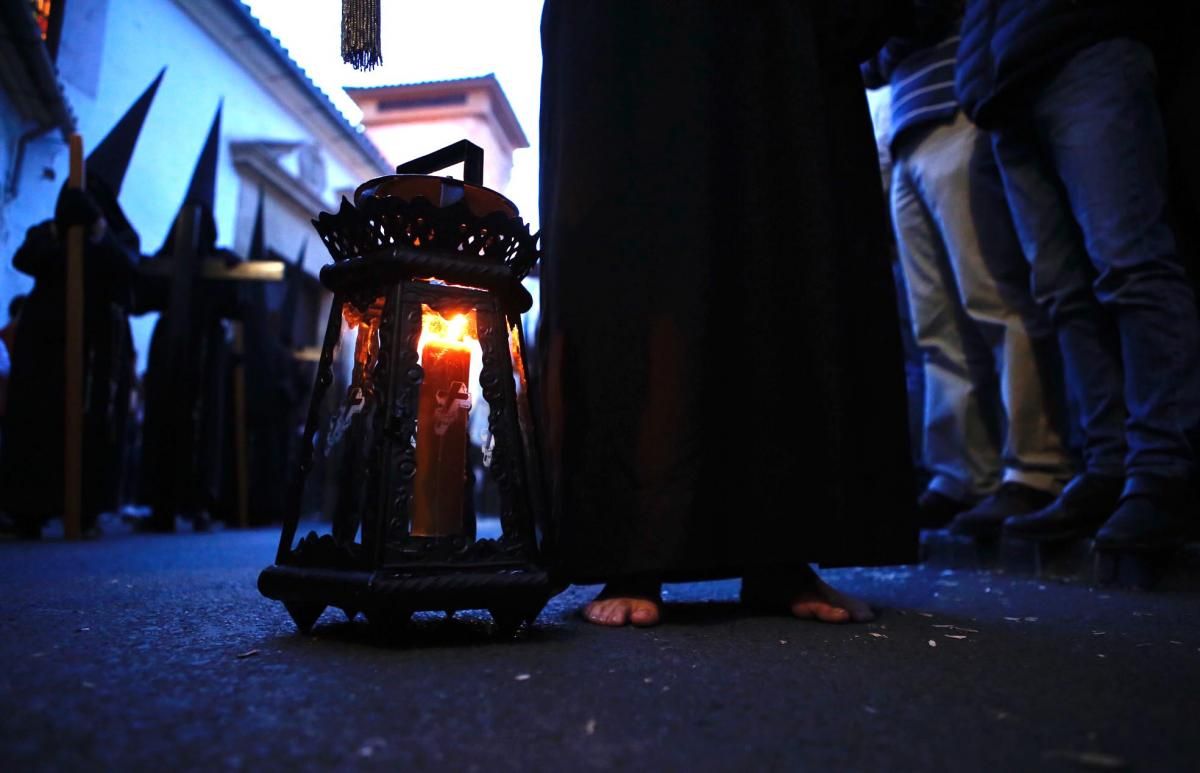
1085, 175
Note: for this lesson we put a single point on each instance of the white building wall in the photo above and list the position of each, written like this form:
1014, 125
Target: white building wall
31, 180
113, 49
141, 37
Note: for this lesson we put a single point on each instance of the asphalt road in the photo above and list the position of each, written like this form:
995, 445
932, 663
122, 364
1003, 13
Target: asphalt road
157, 652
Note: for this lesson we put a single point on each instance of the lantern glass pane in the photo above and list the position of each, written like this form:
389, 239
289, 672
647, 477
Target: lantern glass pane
337, 483
516, 346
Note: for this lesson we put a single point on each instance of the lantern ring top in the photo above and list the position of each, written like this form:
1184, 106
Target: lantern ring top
373, 270
384, 226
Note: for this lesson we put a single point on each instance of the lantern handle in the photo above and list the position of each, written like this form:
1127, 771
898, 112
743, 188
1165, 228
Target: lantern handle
463, 151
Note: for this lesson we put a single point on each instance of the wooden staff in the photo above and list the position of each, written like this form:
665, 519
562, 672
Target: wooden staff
73, 445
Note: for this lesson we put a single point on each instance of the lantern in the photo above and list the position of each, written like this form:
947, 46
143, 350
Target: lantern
426, 282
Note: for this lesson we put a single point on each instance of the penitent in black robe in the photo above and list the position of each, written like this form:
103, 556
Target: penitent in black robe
31, 476
187, 433
273, 389
721, 362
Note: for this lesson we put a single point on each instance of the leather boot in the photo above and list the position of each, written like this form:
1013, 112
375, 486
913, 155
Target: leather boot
1082, 507
984, 520
1153, 515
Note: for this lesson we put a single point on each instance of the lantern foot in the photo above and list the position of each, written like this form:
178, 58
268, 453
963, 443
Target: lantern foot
389, 597
389, 621
304, 614
508, 618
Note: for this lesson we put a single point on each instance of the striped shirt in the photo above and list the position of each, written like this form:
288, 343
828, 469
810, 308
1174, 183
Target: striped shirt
923, 87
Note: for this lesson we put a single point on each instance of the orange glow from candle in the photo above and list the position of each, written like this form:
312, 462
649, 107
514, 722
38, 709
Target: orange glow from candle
433, 280
457, 332
367, 339
445, 347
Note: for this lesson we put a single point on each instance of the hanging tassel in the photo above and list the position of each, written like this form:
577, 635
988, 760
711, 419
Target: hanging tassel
360, 34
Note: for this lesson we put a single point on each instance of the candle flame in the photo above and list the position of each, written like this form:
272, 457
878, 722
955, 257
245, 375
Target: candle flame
457, 332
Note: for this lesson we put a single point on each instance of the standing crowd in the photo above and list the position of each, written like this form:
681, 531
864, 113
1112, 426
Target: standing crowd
1040, 203
1032, 208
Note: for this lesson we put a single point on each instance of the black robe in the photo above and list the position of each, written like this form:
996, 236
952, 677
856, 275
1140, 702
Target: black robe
187, 461
721, 365
31, 475
273, 389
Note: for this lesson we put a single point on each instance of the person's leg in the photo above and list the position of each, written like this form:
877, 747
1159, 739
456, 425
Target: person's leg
960, 448
1060, 279
990, 278
914, 374
1101, 121
993, 278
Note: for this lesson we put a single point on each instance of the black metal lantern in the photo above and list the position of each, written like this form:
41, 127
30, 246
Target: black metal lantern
427, 275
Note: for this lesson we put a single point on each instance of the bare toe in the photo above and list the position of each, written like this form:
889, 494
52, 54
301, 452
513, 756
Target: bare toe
644, 613
830, 605
858, 610
639, 603
809, 607
604, 612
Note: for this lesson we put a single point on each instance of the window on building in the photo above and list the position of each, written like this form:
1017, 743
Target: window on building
411, 103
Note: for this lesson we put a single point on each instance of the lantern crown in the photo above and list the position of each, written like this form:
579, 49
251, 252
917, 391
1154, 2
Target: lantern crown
426, 225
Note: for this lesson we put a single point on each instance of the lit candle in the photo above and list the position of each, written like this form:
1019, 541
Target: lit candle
442, 408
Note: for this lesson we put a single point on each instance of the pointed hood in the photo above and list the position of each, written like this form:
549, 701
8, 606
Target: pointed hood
257, 249
109, 160
202, 191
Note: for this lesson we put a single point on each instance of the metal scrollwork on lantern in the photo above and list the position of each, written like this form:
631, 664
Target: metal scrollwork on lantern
426, 277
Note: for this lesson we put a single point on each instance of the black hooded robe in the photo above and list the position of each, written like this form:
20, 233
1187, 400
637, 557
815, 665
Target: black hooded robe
722, 371
32, 470
186, 462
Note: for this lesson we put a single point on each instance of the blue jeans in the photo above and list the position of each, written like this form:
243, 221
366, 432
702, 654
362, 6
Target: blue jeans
1085, 176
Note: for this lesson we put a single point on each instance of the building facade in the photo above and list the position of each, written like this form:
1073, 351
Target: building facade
409, 120
281, 137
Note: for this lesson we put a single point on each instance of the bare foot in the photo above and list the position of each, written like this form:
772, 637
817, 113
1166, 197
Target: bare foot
830, 605
626, 603
801, 592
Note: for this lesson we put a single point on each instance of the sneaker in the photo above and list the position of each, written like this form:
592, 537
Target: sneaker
935, 509
985, 520
1082, 507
